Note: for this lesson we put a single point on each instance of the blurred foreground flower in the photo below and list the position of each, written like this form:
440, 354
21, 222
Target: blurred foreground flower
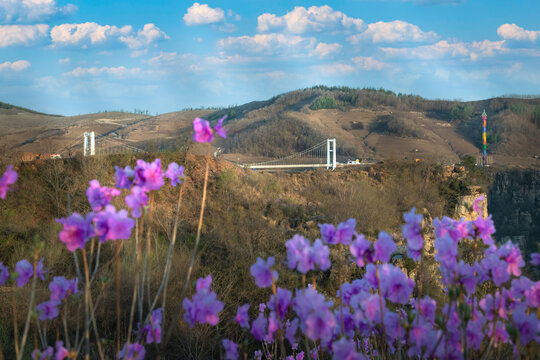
9, 178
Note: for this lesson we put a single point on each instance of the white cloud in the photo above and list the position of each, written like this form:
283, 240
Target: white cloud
64, 61
150, 33
165, 59
441, 49
325, 50
315, 18
429, 52
514, 32
174, 61
231, 59
16, 66
138, 53
200, 14
22, 34
32, 10
486, 48
118, 72
91, 34
268, 43
393, 31
368, 63
86, 33
359, 63
334, 69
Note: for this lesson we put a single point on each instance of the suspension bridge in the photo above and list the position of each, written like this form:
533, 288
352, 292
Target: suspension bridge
92, 144
322, 154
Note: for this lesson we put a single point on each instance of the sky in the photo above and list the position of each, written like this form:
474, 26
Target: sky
84, 56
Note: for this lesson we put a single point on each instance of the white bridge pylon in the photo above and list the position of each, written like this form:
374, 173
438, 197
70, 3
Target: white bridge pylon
96, 145
319, 155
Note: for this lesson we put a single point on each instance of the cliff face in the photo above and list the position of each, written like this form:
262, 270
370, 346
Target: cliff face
514, 202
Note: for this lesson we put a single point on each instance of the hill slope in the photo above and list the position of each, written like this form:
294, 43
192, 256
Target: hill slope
367, 123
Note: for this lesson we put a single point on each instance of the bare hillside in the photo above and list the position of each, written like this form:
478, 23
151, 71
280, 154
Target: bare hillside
367, 123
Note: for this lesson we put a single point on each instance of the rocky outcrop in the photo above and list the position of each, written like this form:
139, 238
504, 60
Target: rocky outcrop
464, 206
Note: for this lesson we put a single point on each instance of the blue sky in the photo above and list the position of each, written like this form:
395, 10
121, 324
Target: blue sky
76, 57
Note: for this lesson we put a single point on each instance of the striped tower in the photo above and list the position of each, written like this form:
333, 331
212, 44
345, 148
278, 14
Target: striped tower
484, 154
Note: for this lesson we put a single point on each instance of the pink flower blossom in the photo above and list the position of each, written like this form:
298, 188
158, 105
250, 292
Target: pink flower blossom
8, 178
100, 196
76, 232
219, 128
203, 132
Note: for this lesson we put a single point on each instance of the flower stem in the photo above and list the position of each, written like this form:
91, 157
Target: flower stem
15, 325
193, 254
30, 307
118, 296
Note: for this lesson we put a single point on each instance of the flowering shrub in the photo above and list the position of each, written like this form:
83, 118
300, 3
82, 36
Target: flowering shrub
384, 313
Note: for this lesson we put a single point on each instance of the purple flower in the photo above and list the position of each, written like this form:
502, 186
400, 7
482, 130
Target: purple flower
484, 229
60, 287
231, 349
4, 273
527, 326
317, 321
372, 308
25, 271
412, 231
395, 285
345, 349
446, 252
242, 316
61, 351
327, 233
345, 232
384, 247
359, 287
284, 297
148, 175
477, 201
100, 196
263, 273
467, 276
291, 327
40, 270
132, 352
205, 307
153, 329
124, 177
175, 173
533, 295
48, 310
258, 327
76, 232
361, 250
298, 254
535, 259
46, 354
475, 334
112, 225
321, 253
9, 178
219, 128
203, 132
512, 256
457, 230
136, 201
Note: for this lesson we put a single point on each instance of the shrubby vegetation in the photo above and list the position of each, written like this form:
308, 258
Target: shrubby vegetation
398, 124
353, 309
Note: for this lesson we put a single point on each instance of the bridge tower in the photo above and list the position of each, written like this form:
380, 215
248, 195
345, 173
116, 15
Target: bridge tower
331, 153
89, 144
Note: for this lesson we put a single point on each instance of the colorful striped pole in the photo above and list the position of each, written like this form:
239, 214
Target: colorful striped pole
484, 157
